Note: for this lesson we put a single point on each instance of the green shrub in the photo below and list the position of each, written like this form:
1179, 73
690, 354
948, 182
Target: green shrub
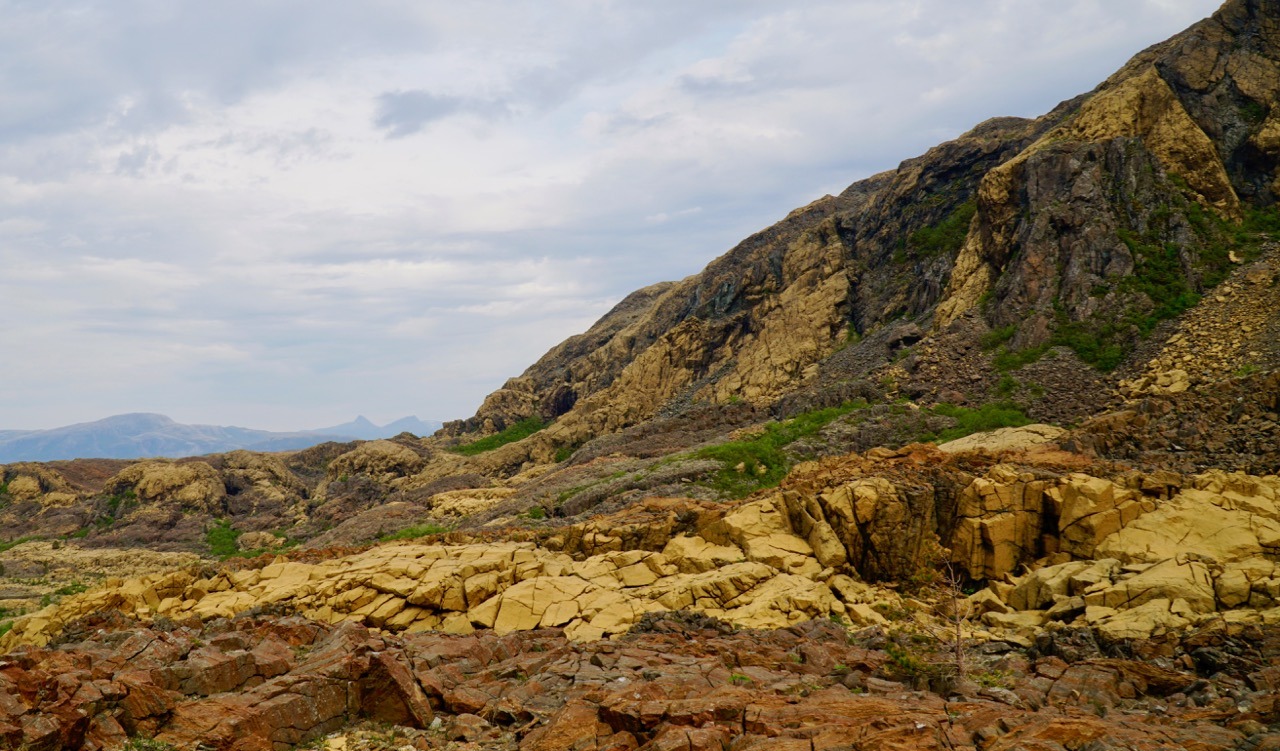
511, 434
1007, 386
946, 237
1161, 286
1253, 112
146, 744
1006, 360
987, 417
764, 463
117, 504
998, 337
221, 539
414, 532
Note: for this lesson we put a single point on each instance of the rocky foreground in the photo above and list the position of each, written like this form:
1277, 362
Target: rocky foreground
676, 681
1150, 618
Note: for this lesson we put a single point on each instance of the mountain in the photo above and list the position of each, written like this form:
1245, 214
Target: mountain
362, 428
1076, 239
140, 435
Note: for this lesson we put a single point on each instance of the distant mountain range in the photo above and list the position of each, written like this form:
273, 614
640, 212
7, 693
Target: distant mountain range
140, 435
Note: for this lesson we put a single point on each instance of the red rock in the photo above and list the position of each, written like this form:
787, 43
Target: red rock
576, 727
389, 692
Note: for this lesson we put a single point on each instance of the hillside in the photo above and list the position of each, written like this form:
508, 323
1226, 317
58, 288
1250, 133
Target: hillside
983, 452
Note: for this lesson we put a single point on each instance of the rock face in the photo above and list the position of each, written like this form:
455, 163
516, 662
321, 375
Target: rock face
1134, 555
1085, 228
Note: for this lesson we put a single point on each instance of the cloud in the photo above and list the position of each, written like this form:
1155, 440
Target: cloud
403, 113
285, 214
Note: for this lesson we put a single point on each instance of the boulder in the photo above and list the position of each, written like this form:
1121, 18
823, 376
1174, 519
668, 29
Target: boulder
1089, 509
1183, 580
1005, 439
1211, 525
192, 485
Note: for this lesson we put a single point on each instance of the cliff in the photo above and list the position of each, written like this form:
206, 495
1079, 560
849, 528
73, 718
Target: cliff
1087, 228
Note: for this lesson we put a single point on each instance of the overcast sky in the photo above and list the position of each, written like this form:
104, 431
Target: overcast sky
283, 213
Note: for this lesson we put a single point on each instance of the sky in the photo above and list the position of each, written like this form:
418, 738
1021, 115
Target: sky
280, 214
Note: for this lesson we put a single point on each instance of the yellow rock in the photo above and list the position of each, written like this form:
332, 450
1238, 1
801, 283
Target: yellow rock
1005, 439
692, 555
456, 623
1202, 522
193, 485
785, 552
1187, 581
1152, 618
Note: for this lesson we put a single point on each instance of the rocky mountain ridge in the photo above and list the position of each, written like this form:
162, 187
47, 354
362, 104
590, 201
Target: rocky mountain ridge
1085, 228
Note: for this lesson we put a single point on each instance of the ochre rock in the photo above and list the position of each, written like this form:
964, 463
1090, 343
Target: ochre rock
193, 485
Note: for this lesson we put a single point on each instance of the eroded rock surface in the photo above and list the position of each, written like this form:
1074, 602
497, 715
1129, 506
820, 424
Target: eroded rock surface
675, 681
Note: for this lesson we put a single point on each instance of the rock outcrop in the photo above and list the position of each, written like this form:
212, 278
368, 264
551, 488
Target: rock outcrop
1084, 228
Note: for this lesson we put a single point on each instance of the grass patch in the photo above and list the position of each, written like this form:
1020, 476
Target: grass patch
1006, 360
146, 744
946, 237
1253, 112
762, 458
968, 420
4, 546
74, 588
511, 434
998, 337
6, 627
414, 532
117, 505
221, 539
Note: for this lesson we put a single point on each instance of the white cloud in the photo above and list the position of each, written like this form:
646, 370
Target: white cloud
284, 214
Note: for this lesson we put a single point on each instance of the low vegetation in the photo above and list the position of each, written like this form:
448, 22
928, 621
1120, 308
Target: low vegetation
946, 237
1167, 280
221, 539
511, 434
17, 541
146, 744
990, 416
414, 532
74, 588
760, 461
